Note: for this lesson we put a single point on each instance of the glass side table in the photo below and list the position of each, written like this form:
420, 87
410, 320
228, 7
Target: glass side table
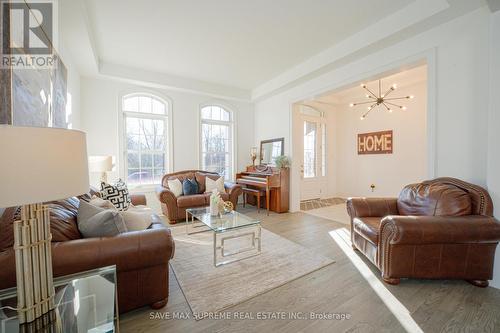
85, 302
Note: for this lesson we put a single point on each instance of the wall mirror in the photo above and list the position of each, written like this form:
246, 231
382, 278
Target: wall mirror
270, 149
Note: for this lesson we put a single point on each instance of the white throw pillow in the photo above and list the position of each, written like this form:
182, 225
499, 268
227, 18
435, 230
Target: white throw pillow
210, 184
175, 186
136, 221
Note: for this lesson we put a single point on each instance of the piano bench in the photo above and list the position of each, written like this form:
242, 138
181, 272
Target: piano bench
253, 192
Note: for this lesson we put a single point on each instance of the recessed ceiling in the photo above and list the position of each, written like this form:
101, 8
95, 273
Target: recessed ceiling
242, 43
356, 93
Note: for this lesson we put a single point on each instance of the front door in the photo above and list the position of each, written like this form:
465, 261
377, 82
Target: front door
313, 157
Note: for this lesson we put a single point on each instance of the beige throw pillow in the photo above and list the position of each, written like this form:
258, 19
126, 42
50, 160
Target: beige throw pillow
214, 184
136, 221
175, 186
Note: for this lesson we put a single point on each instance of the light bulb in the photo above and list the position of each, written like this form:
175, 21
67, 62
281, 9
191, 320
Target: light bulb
403, 107
351, 105
367, 96
368, 108
394, 86
363, 85
362, 117
382, 96
390, 110
411, 96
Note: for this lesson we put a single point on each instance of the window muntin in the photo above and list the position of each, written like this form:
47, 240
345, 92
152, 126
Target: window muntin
216, 140
310, 129
146, 138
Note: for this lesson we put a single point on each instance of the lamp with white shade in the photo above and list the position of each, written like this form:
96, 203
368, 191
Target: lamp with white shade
101, 165
40, 165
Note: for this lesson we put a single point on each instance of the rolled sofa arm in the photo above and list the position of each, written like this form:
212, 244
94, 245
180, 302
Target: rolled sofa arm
439, 229
169, 202
234, 190
128, 251
138, 199
371, 207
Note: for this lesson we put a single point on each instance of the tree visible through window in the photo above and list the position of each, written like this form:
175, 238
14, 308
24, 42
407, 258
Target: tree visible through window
217, 140
146, 133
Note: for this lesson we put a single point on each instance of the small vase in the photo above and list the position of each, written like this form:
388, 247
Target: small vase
214, 209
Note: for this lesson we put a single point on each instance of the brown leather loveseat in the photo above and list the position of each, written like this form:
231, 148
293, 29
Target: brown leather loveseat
175, 208
438, 229
141, 257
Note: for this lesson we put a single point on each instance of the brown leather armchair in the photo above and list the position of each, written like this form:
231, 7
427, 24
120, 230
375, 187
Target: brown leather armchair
175, 208
438, 229
141, 257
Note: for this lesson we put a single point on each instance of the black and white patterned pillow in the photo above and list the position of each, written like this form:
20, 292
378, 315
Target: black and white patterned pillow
117, 194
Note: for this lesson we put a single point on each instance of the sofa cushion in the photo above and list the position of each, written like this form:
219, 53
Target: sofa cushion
95, 221
175, 185
368, 227
187, 201
180, 175
190, 186
217, 184
116, 193
434, 199
201, 179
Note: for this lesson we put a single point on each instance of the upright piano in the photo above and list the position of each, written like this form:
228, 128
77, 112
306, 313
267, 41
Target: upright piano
275, 182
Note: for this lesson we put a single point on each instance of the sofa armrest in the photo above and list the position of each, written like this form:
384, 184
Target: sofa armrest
439, 229
165, 195
371, 207
138, 199
128, 251
234, 190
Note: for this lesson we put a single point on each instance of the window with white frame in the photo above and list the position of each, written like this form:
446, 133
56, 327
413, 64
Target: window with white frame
216, 140
145, 135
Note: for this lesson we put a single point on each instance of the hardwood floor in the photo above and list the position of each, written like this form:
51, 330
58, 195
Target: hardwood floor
435, 306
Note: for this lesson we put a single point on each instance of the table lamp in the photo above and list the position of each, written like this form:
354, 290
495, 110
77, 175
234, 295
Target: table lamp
102, 165
253, 155
38, 165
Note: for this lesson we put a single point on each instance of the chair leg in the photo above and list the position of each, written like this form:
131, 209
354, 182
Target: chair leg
244, 199
258, 204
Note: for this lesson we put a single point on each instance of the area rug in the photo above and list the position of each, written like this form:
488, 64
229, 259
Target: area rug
337, 213
211, 289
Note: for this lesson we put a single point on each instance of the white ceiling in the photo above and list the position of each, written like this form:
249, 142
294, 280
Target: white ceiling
239, 43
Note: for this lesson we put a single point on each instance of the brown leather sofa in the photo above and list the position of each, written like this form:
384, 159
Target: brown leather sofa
438, 229
175, 208
141, 257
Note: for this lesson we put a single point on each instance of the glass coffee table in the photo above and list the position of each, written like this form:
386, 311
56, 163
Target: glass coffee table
85, 302
236, 236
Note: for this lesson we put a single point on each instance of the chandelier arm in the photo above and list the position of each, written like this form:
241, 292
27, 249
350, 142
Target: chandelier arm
367, 112
388, 92
379, 88
360, 103
399, 106
371, 92
388, 109
390, 99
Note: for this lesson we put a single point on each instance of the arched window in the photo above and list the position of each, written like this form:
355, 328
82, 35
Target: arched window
217, 140
146, 133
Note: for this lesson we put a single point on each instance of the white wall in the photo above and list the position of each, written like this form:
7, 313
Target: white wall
388, 172
100, 119
458, 51
494, 130
73, 83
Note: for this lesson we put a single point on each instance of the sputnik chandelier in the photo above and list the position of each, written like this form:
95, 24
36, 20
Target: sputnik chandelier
380, 99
